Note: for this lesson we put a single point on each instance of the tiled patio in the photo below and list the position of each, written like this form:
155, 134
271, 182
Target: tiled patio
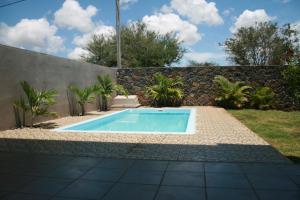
39, 177
218, 137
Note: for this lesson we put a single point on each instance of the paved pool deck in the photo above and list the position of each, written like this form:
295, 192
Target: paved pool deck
219, 137
43, 177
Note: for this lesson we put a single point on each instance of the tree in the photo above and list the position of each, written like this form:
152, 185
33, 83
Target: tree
105, 88
83, 96
193, 63
140, 48
166, 91
37, 103
262, 44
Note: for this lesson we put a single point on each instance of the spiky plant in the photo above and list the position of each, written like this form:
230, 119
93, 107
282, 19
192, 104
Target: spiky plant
83, 96
231, 94
20, 106
166, 91
262, 98
105, 88
38, 101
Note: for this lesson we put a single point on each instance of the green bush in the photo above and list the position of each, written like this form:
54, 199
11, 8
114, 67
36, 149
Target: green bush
105, 88
166, 91
83, 96
262, 98
292, 75
233, 95
36, 102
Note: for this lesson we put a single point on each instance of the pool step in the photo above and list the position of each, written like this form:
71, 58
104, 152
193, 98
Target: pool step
131, 101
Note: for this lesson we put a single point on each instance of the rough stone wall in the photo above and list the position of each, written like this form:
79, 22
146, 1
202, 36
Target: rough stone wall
199, 88
43, 72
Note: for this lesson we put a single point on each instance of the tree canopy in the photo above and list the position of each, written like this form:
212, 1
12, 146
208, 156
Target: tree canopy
140, 48
262, 44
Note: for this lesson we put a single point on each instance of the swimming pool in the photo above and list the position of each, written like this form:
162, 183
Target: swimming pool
140, 121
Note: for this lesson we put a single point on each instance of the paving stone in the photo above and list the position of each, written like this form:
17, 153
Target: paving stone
86, 189
236, 194
26, 197
149, 165
183, 179
186, 166
142, 177
280, 182
223, 168
131, 191
227, 180
71, 172
180, 193
103, 174
115, 163
278, 195
45, 186
13, 182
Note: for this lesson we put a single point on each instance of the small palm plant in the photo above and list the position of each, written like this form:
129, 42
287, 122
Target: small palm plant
105, 88
83, 96
38, 102
20, 106
166, 91
231, 94
263, 98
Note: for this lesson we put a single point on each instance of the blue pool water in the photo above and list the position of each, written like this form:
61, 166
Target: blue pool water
139, 121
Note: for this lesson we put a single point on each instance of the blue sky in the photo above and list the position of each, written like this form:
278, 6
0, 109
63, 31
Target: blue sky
63, 28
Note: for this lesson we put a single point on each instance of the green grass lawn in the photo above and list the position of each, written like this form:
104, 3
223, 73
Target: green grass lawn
280, 129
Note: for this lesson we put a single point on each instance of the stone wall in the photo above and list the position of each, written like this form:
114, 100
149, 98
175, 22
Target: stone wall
199, 88
43, 72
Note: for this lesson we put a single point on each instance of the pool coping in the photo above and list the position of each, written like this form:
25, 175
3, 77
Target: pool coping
190, 129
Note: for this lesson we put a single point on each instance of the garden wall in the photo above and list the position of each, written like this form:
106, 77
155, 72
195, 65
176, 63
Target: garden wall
43, 72
199, 88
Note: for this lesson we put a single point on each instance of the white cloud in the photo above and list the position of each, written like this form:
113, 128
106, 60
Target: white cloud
203, 56
249, 18
34, 34
198, 11
77, 53
165, 23
228, 12
71, 15
84, 39
126, 3
296, 26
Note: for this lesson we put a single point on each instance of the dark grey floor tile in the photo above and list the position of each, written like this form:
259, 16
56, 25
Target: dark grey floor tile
273, 181
84, 161
180, 193
103, 174
186, 166
143, 177
45, 186
296, 179
290, 169
131, 191
226, 180
25, 197
149, 165
70, 172
223, 168
9, 182
278, 195
230, 194
260, 169
63, 198
85, 189
115, 163
183, 179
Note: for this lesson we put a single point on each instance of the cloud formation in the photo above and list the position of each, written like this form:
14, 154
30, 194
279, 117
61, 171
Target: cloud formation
170, 22
249, 18
33, 34
72, 16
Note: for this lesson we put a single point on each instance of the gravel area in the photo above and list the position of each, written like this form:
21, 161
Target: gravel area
219, 137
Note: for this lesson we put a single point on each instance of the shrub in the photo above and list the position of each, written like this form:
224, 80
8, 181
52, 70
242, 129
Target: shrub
37, 103
262, 98
105, 88
166, 91
83, 96
292, 75
231, 94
